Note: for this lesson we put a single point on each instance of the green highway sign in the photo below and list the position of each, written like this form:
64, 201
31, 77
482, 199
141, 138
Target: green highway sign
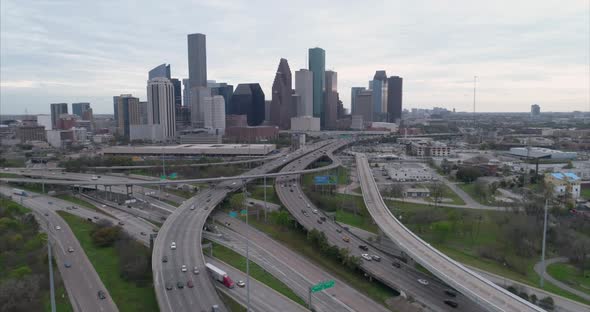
322, 286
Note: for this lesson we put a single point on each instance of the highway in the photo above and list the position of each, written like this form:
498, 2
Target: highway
81, 280
184, 227
291, 268
483, 292
404, 278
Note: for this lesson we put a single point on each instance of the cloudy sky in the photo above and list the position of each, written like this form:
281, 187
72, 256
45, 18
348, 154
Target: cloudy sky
523, 51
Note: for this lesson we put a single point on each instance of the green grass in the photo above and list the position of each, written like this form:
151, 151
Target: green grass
470, 190
76, 200
62, 301
450, 194
464, 248
356, 220
585, 192
297, 241
239, 262
342, 173
257, 192
126, 295
231, 304
570, 275
9, 175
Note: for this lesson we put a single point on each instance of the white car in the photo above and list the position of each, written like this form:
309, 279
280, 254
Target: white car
192, 207
423, 281
183, 268
173, 245
57, 227
70, 249
308, 206
196, 270
315, 211
366, 257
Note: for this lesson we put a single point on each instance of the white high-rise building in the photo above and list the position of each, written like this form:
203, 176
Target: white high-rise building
304, 87
196, 99
214, 113
160, 106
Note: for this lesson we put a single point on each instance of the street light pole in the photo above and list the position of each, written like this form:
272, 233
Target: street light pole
543, 248
247, 255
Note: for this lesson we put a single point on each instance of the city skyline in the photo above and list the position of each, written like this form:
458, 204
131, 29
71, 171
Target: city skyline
519, 58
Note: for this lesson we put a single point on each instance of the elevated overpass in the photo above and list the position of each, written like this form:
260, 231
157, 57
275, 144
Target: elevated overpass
486, 294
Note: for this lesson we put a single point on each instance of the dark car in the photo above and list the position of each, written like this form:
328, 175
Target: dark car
451, 303
190, 284
320, 221
101, 295
67, 265
180, 285
396, 264
169, 286
323, 219
364, 247
339, 230
450, 293
165, 259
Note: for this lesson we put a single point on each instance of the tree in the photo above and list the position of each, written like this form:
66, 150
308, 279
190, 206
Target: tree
468, 174
237, 201
547, 303
445, 166
437, 190
283, 219
481, 190
441, 230
395, 190
105, 236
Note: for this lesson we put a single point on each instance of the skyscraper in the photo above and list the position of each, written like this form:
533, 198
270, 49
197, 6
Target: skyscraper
56, 110
223, 89
380, 92
535, 110
197, 60
364, 105
281, 107
127, 112
317, 65
80, 108
353, 92
159, 71
177, 93
214, 113
331, 100
248, 99
394, 99
304, 87
160, 106
197, 95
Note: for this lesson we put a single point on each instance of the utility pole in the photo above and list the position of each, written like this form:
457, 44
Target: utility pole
543, 248
247, 255
265, 207
51, 287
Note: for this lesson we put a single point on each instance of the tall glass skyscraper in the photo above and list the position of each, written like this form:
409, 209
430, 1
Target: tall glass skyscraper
80, 108
197, 60
248, 99
317, 65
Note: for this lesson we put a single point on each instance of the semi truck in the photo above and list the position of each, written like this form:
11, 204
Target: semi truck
19, 192
220, 275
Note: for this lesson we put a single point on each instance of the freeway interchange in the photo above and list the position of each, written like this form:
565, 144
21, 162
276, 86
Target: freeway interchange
185, 224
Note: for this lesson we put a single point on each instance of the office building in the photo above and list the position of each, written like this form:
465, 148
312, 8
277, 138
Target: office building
57, 109
353, 93
394, 99
236, 121
566, 185
223, 89
80, 109
160, 106
66, 121
379, 87
45, 121
251, 134
30, 133
305, 123
197, 60
186, 93
214, 113
281, 107
364, 106
304, 87
331, 100
317, 65
127, 111
267, 110
297, 106
248, 99
160, 71
535, 110
177, 93
196, 98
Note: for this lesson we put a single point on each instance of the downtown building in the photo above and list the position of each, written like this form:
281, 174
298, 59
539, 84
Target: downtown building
248, 99
317, 65
214, 114
282, 107
127, 112
197, 78
331, 100
161, 112
57, 109
379, 85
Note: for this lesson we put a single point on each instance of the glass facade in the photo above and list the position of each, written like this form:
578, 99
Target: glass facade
317, 65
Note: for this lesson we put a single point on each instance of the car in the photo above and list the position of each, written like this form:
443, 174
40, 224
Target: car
173, 245
346, 239
183, 268
364, 247
57, 227
450, 293
291, 190
121, 223
451, 303
376, 258
155, 230
101, 295
338, 230
67, 264
196, 270
396, 264
169, 286
423, 281
315, 211
241, 284
366, 257
192, 207
320, 221
306, 214
190, 284
70, 249
51, 203
308, 206
209, 199
180, 285
323, 218
300, 196
142, 233
68, 208
165, 259
103, 206
95, 217
46, 214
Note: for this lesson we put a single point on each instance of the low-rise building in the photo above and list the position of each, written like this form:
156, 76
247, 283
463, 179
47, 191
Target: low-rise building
251, 134
565, 184
539, 152
416, 192
409, 172
429, 148
30, 133
188, 150
305, 123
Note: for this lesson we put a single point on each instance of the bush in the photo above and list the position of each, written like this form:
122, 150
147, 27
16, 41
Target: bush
547, 303
468, 174
106, 236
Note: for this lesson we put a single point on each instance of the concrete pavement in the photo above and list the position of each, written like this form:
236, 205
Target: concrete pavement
542, 271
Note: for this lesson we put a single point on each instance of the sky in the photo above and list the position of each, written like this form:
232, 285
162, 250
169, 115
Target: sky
522, 51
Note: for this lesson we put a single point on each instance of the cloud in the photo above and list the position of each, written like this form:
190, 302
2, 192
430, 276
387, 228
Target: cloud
75, 50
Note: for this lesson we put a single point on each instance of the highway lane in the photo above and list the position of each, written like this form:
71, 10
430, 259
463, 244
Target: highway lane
485, 293
184, 227
262, 297
291, 268
81, 280
404, 278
